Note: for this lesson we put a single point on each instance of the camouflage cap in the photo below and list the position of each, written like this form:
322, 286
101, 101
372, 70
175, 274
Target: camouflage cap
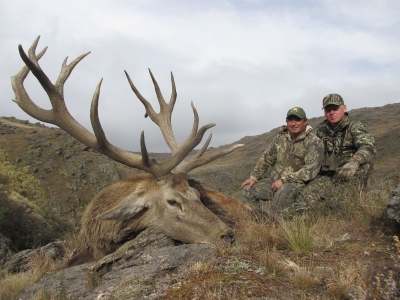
298, 112
332, 99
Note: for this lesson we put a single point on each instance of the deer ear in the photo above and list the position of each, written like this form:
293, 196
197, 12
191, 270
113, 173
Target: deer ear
127, 208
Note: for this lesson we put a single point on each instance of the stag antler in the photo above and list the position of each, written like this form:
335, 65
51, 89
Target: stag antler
60, 116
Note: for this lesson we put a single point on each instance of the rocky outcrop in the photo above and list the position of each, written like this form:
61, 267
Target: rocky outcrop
20, 261
143, 267
391, 215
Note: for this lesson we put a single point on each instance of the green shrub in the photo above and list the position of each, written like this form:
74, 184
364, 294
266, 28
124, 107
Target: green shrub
22, 224
20, 180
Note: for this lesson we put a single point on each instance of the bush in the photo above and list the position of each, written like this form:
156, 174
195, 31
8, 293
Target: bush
22, 225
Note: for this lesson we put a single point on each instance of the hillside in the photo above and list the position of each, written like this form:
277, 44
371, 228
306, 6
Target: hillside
341, 249
68, 174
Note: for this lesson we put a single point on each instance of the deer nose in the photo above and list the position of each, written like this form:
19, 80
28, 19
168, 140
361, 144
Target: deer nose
228, 236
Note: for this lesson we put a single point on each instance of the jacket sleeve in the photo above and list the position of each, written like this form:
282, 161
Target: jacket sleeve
313, 162
364, 143
267, 159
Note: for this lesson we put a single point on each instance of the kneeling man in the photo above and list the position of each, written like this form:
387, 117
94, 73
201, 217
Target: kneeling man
295, 157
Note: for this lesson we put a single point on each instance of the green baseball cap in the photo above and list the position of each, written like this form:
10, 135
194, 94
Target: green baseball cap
298, 112
332, 99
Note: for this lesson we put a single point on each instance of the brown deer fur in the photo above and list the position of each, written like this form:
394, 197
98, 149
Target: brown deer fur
119, 212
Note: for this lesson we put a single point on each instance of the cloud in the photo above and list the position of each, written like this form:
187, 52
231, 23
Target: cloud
242, 63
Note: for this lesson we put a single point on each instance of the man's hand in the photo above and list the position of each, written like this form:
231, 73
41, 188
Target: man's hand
349, 169
276, 185
249, 182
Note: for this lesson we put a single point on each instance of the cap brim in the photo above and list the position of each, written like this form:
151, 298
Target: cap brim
301, 117
331, 104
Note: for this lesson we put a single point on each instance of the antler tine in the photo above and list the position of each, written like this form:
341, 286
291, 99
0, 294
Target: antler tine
25, 70
164, 105
143, 149
66, 71
195, 121
204, 148
149, 109
32, 51
173, 93
95, 120
197, 160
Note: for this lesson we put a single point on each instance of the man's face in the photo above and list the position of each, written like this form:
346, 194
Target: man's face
335, 113
295, 125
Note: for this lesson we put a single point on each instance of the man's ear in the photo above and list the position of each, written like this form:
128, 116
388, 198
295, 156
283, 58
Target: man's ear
345, 108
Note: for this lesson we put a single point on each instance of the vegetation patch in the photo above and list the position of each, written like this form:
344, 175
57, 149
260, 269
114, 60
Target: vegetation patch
39, 267
19, 180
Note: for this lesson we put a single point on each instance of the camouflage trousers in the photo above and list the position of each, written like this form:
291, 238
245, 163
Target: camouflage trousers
329, 189
261, 197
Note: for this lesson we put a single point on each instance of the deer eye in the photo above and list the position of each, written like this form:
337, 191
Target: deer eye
173, 203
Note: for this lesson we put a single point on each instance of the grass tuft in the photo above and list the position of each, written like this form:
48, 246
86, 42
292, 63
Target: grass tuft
39, 267
297, 234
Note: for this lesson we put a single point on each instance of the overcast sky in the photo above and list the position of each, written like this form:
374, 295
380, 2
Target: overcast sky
242, 63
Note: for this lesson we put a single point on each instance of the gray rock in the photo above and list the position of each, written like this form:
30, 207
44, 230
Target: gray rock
140, 268
48, 169
68, 155
391, 215
20, 261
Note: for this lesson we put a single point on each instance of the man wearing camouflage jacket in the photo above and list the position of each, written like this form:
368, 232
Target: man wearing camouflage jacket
295, 158
348, 153
348, 146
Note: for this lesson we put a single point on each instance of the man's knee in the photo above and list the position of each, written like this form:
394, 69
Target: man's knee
259, 191
286, 194
247, 194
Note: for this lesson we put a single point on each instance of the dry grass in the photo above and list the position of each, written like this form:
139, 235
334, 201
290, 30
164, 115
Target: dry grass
297, 234
39, 267
315, 256
73, 244
255, 234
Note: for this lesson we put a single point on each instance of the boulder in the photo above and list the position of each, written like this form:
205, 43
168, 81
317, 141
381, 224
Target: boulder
391, 215
19, 261
142, 268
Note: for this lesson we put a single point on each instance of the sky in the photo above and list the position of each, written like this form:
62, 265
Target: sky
243, 63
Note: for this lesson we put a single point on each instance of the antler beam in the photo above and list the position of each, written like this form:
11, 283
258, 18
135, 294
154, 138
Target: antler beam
60, 116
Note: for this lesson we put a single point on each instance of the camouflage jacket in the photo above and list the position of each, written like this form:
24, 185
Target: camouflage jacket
298, 161
349, 139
